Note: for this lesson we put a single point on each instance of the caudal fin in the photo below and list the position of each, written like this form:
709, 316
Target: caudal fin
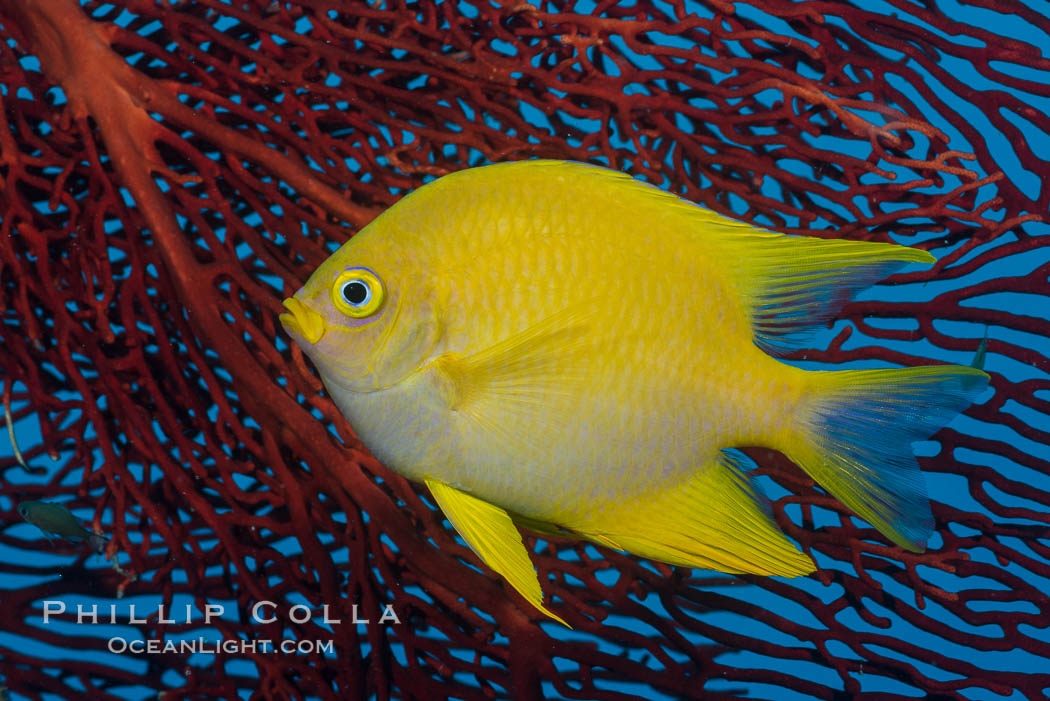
857, 433
97, 542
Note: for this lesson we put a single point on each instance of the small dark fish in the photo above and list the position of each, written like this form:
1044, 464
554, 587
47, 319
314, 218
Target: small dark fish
56, 519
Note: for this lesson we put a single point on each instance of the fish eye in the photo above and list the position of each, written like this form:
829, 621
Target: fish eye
357, 292
23, 510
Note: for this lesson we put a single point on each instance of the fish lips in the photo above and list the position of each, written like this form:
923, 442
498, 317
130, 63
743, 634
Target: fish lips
302, 322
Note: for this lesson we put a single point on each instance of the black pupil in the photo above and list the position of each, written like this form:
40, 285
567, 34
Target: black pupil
355, 292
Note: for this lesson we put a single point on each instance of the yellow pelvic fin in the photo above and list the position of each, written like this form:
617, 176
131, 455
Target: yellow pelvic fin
716, 520
490, 532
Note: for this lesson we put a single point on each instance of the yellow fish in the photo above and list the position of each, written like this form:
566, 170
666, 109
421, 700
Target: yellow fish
561, 347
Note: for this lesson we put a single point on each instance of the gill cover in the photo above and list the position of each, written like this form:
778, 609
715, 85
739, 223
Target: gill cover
379, 331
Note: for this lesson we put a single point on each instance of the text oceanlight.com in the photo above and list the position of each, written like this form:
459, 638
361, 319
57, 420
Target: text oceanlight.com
230, 647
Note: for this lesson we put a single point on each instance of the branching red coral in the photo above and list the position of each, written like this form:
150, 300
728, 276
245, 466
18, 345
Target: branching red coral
169, 172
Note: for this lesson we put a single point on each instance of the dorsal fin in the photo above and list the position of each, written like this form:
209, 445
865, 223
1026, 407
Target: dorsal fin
791, 285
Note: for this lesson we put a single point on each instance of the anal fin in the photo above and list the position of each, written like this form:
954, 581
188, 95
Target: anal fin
716, 520
491, 534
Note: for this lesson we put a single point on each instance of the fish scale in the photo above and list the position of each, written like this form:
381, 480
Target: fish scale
601, 466
559, 347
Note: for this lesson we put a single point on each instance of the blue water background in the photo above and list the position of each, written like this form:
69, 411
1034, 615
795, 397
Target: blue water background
948, 489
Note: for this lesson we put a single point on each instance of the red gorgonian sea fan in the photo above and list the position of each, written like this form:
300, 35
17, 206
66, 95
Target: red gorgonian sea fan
171, 171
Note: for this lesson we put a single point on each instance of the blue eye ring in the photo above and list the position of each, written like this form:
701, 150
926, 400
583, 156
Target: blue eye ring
358, 293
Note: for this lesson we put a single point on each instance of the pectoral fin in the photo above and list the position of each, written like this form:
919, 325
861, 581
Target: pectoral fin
491, 534
517, 387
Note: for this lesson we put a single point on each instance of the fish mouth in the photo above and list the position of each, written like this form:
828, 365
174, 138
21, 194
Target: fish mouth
303, 321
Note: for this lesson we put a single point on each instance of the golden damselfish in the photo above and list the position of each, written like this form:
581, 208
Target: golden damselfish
558, 346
